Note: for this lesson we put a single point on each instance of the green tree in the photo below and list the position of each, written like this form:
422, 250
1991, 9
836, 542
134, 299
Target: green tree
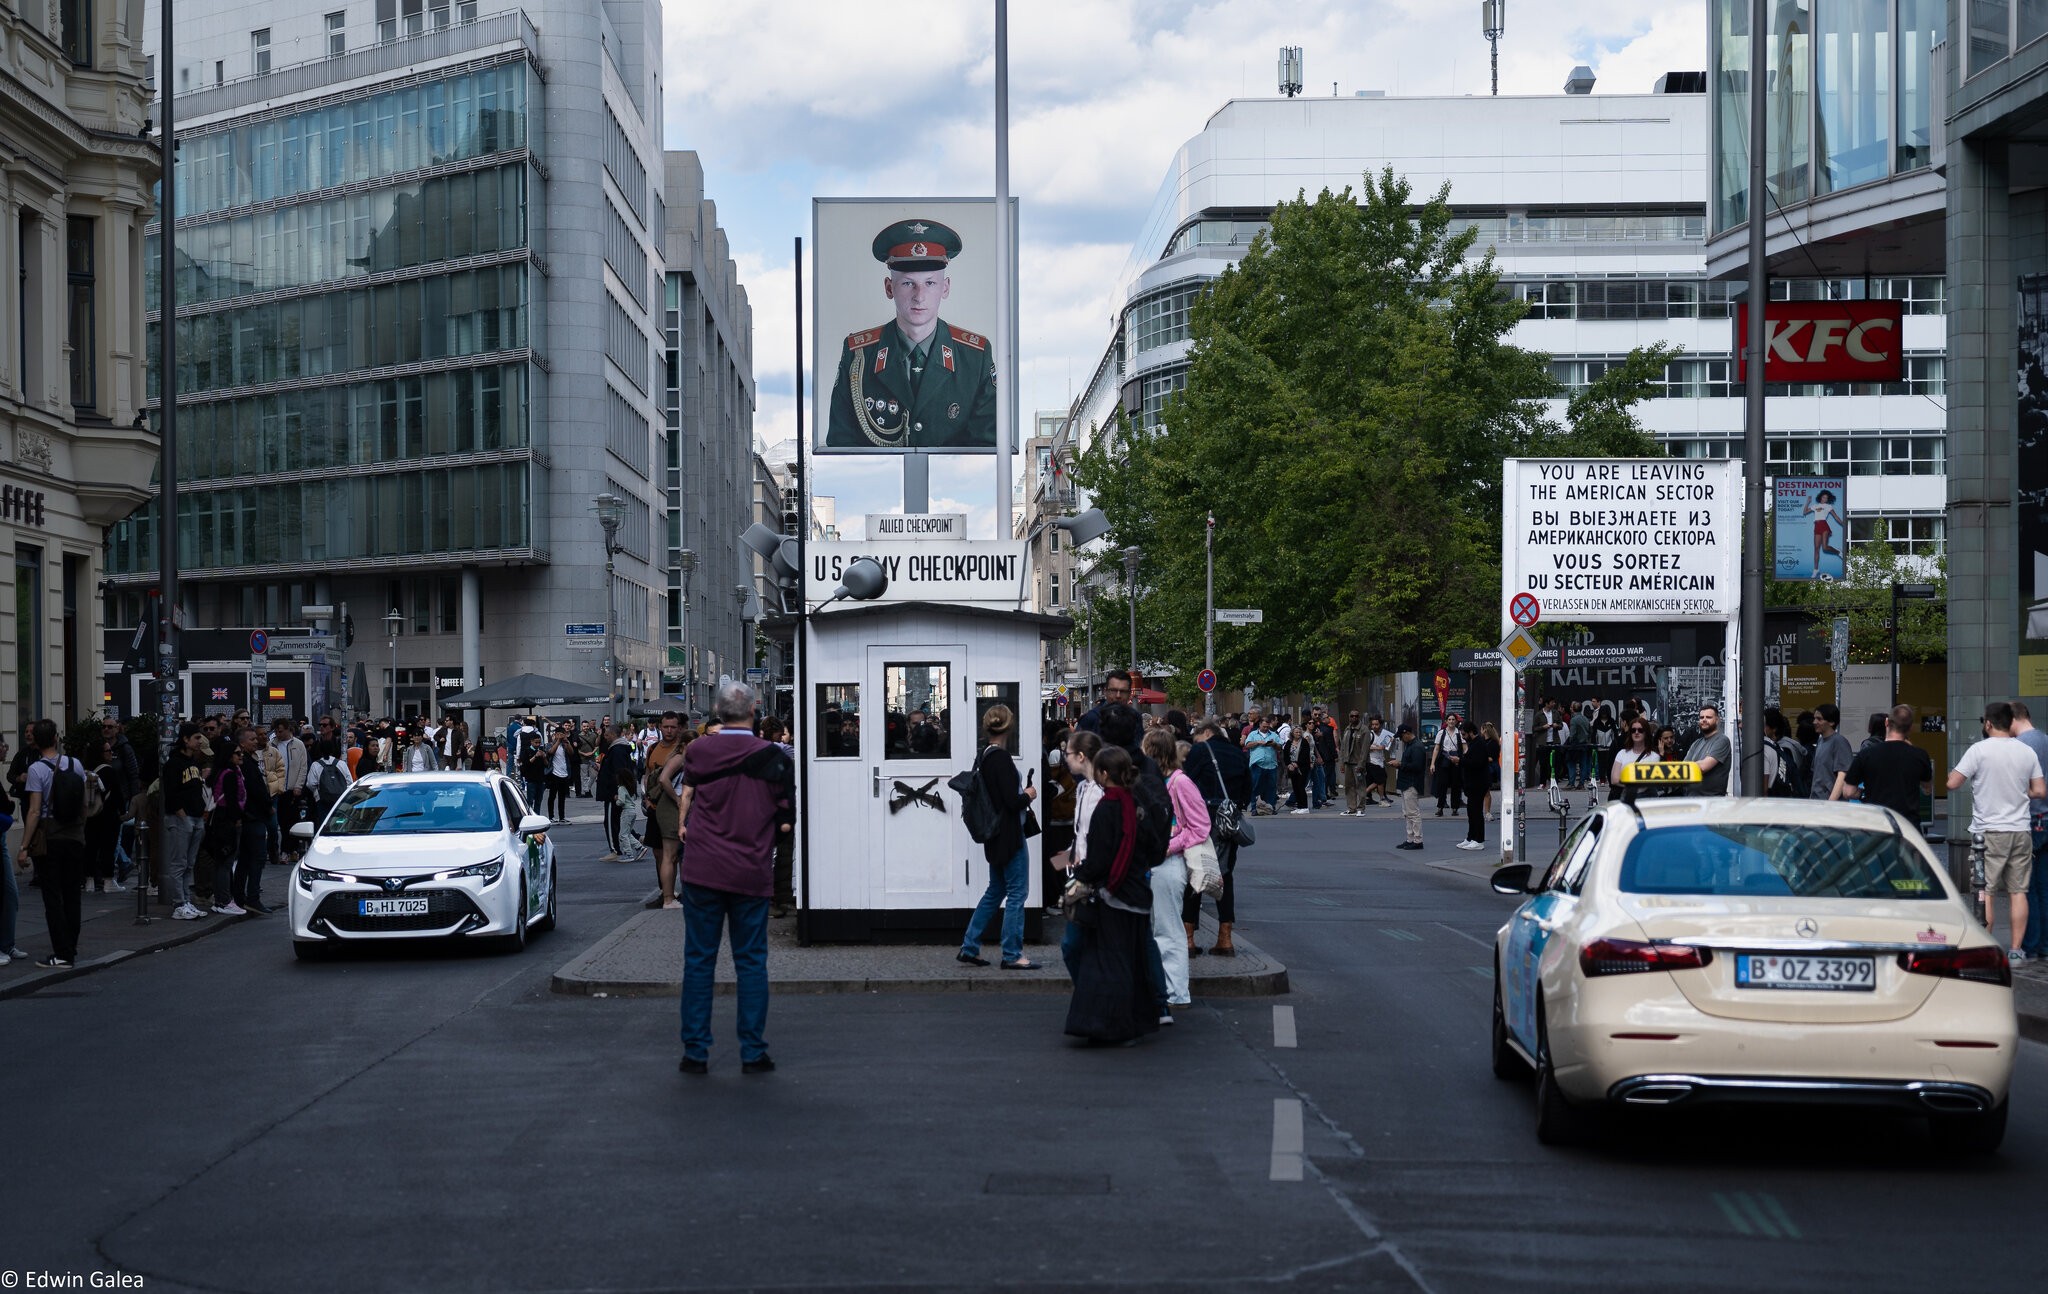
1350, 396
1864, 597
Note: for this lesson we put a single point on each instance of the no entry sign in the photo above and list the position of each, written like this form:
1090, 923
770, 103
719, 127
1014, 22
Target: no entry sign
1525, 609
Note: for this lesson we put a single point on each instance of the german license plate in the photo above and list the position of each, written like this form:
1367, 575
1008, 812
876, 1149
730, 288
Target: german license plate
1826, 974
394, 907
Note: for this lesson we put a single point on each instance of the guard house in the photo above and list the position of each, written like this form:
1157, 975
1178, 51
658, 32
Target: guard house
894, 690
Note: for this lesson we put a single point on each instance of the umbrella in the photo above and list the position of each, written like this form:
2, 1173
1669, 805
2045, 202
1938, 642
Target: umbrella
527, 691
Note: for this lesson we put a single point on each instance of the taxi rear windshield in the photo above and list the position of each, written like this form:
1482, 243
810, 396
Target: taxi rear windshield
1772, 860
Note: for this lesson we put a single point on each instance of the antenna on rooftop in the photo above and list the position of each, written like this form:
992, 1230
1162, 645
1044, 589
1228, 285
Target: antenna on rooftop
1493, 19
1290, 70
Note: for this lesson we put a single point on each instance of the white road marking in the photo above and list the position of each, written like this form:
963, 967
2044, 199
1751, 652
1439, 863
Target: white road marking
1283, 1026
1287, 1140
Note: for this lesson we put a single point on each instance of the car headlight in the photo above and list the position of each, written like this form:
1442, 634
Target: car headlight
486, 872
309, 874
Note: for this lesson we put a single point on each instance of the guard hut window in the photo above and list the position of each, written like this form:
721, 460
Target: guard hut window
916, 720
838, 720
989, 695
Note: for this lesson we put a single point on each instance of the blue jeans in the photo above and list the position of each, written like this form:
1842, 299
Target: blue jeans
707, 913
1316, 794
1266, 786
2035, 944
1008, 885
10, 897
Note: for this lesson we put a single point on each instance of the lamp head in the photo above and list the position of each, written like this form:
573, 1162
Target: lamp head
1085, 528
864, 580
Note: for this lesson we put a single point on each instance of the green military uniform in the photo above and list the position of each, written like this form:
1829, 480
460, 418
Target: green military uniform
890, 394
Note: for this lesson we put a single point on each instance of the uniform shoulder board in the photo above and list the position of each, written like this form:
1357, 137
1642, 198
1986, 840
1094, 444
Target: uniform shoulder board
966, 338
854, 341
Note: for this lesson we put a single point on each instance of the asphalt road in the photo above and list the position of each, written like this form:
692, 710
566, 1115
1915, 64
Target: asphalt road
219, 1117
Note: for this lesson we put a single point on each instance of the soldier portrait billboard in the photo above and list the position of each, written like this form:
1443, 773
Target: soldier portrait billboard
905, 323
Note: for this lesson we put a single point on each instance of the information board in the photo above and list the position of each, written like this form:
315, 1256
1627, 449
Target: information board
1623, 539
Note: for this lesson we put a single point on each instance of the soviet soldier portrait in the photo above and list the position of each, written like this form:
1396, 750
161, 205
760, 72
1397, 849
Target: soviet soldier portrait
915, 382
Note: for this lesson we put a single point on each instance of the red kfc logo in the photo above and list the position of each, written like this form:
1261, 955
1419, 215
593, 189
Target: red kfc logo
1826, 341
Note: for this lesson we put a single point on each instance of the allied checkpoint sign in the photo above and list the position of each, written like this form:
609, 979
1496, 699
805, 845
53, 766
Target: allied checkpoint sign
1622, 540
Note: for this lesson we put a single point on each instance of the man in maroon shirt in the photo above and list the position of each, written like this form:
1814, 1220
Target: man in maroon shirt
734, 794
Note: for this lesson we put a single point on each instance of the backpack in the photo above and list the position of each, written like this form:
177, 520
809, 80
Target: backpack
334, 781
1793, 772
72, 800
977, 807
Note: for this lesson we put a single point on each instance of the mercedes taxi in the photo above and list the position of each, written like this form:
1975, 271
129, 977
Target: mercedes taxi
441, 855
1680, 952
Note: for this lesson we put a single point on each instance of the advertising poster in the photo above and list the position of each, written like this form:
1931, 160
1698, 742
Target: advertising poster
904, 303
1811, 527
2030, 489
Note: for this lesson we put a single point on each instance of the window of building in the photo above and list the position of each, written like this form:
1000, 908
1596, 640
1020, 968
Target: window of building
28, 261
1899, 456
1053, 589
1921, 536
259, 44
1052, 539
1162, 319
627, 171
83, 336
28, 635
1804, 456
1990, 27
76, 21
337, 34
1157, 388
466, 11
387, 21
220, 72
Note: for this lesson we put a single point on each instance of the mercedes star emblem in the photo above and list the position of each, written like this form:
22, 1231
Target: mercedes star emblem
1807, 927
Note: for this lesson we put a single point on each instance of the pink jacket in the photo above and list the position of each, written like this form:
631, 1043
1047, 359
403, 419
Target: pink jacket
1190, 815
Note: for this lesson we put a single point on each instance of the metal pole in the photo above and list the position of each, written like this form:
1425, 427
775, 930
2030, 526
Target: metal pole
166, 424
799, 723
613, 673
1749, 719
1895, 643
1209, 613
1006, 268
393, 711
1495, 42
1131, 596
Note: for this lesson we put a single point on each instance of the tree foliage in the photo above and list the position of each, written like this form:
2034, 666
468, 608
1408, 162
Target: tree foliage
1864, 597
1350, 396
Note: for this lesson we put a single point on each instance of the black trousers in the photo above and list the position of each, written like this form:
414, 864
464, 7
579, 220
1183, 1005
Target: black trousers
61, 873
1475, 811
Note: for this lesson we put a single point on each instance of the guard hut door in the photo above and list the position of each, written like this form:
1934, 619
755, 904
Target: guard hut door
923, 734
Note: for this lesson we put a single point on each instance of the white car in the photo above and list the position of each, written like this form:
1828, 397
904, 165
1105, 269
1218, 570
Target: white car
423, 856
1689, 951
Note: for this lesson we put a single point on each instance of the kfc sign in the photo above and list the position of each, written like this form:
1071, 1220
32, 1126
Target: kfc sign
1826, 341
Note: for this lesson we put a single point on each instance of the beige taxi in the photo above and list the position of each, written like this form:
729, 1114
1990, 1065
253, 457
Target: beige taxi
1682, 952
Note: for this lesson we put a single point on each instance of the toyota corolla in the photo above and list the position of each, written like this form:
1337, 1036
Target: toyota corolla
423, 856
1691, 951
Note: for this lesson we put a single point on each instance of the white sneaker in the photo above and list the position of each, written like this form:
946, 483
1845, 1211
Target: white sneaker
115, 887
1297, 810
4, 959
230, 909
1470, 844
186, 912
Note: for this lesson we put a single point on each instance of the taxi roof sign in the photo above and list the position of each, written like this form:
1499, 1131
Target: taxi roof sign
1662, 773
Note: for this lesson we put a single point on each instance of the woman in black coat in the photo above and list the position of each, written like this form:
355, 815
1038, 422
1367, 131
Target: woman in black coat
1113, 998
1477, 767
1009, 859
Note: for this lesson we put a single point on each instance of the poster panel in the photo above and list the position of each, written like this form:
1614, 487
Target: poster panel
2030, 489
1810, 527
905, 329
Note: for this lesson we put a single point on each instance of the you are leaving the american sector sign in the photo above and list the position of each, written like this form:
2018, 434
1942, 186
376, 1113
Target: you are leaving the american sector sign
1623, 539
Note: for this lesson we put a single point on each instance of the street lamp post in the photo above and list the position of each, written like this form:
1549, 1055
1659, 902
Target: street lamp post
686, 563
1209, 613
1131, 556
611, 514
392, 621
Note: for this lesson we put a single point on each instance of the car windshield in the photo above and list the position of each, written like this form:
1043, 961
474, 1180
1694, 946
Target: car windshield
1777, 860
408, 807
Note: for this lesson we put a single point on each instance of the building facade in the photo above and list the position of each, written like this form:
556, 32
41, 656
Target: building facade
422, 326
77, 167
1905, 139
708, 400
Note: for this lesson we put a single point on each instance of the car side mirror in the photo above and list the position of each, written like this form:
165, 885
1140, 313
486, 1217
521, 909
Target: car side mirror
1512, 879
304, 831
533, 824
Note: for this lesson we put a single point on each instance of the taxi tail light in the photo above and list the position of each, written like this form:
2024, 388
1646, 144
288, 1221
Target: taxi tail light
1628, 956
1978, 965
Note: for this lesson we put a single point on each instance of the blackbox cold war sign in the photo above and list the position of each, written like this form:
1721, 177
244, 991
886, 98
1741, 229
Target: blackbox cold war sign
1623, 539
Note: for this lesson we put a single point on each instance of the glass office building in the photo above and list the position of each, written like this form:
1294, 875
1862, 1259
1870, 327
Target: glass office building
420, 290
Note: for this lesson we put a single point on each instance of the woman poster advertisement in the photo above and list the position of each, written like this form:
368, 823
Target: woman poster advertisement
1812, 531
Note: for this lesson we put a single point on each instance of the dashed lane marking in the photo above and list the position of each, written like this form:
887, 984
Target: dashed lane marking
1287, 1140
1756, 1214
1406, 936
1319, 902
1483, 972
1283, 1026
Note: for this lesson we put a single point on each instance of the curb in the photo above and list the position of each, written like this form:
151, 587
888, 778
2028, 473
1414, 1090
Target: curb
1270, 981
25, 987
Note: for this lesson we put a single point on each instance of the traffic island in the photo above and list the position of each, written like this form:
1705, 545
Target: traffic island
644, 958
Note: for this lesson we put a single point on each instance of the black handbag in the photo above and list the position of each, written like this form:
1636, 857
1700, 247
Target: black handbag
1227, 825
1030, 824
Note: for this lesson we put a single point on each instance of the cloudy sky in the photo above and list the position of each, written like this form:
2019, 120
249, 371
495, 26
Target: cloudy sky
787, 100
